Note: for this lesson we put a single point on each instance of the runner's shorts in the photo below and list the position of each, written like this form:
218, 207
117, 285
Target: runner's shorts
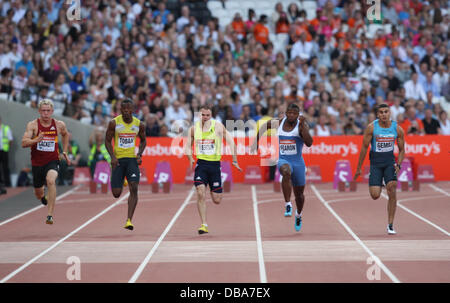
40, 173
208, 173
380, 172
127, 167
298, 172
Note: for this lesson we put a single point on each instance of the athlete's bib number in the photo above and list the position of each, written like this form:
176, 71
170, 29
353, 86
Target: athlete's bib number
384, 144
126, 142
206, 147
46, 145
288, 147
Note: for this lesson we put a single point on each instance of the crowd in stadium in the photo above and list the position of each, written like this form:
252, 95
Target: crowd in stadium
170, 62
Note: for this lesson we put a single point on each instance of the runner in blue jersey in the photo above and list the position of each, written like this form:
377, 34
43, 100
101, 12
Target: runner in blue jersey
292, 132
381, 134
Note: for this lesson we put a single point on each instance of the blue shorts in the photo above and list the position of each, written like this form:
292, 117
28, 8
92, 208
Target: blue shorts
380, 172
208, 173
298, 172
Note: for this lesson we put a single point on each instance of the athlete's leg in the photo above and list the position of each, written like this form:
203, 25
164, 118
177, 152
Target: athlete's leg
216, 197
201, 205
133, 198
299, 197
391, 188
39, 192
117, 178
375, 192
51, 177
286, 183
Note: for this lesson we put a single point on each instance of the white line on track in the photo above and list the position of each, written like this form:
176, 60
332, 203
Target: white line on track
31, 261
417, 215
439, 189
357, 239
40, 206
262, 268
161, 238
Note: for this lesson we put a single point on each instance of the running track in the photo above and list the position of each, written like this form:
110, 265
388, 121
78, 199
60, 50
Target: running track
343, 238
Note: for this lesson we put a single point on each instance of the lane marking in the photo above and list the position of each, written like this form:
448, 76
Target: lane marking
417, 215
31, 261
357, 239
40, 206
262, 268
161, 238
439, 189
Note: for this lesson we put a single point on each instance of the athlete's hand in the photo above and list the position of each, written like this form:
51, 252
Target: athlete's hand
39, 137
191, 163
114, 162
139, 159
357, 174
235, 164
66, 157
397, 169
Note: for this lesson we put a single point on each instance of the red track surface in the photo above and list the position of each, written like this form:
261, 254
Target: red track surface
340, 232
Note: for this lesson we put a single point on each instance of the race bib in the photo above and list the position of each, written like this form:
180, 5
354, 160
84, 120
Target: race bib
46, 145
384, 144
126, 140
288, 147
206, 147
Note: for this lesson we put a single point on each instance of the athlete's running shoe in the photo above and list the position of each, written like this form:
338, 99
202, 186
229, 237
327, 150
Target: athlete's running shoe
129, 225
298, 223
44, 200
390, 230
203, 229
49, 220
288, 212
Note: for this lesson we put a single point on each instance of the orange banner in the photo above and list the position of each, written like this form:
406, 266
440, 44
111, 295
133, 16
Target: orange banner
431, 150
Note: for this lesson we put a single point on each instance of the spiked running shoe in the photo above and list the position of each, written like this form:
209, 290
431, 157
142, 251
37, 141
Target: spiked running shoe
44, 200
129, 225
203, 229
49, 220
390, 230
288, 212
298, 223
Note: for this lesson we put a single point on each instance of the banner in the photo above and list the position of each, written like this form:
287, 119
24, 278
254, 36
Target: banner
431, 150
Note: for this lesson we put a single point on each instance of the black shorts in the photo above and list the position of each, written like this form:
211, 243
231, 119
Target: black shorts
127, 167
40, 173
380, 172
208, 173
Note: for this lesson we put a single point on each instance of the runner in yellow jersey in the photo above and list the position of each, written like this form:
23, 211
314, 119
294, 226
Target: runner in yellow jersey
124, 129
207, 136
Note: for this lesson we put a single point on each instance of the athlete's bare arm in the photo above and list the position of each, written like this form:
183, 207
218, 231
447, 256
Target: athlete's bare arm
142, 143
29, 137
61, 127
303, 130
368, 134
401, 146
188, 147
110, 131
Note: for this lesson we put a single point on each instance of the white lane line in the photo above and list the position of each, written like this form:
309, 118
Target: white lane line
40, 206
357, 239
439, 189
417, 215
31, 261
161, 238
262, 268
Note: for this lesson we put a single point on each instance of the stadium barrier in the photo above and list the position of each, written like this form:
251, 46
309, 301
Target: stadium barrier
430, 150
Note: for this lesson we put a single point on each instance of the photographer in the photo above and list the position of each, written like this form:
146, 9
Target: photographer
412, 125
351, 127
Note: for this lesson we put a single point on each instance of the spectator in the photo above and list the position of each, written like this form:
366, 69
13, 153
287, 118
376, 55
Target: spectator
411, 125
414, 89
322, 129
431, 125
6, 139
335, 126
444, 123
260, 31
152, 128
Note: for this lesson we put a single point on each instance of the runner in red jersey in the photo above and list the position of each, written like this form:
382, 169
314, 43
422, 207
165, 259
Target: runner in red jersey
41, 135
